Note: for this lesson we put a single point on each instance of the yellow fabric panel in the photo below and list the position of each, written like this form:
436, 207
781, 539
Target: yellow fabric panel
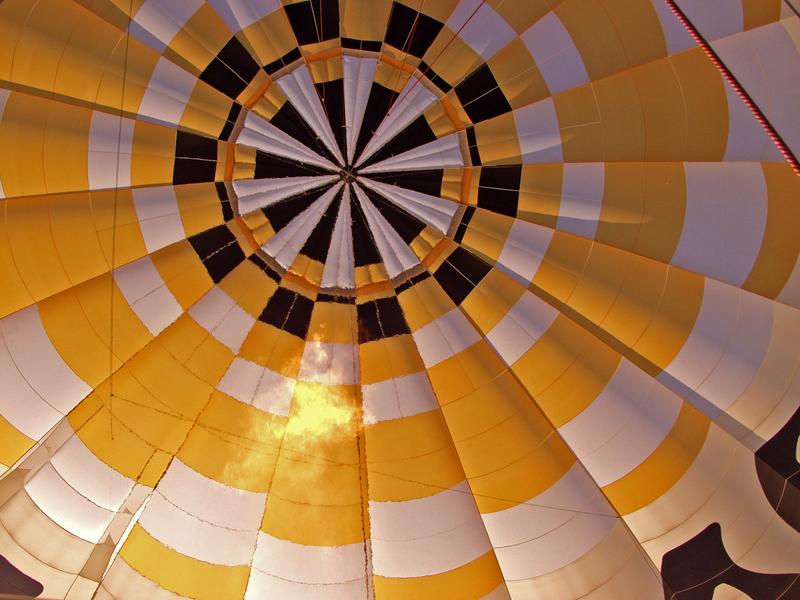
318, 474
599, 283
117, 226
183, 272
76, 240
486, 233
497, 140
411, 457
454, 62
781, 245
200, 39
210, 360
183, 337
274, 348
664, 467
491, 299
354, 25
580, 123
565, 394
520, 16
270, 37
387, 358
540, 194
677, 311
249, 286
563, 265
621, 118
333, 322
200, 207
153, 151
179, 573
473, 580
13, 443
79, 323
235, 444
706, 106
760, 12
35, 256
464, 372
207, 110
15, 293
423, 303
639, 30
517, 75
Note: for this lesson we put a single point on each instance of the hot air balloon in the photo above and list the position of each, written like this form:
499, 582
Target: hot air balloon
399, 299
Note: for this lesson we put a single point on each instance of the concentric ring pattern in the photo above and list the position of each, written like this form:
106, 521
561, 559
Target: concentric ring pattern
399, 299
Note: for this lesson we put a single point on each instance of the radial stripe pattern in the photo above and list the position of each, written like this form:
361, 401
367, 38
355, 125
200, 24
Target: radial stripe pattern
388, 299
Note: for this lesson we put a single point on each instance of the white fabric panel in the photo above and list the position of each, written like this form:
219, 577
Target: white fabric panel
444, 153
624, 425
725, 349
110, 146
167, 93
747, 139
397, 256
285, 245
259, 133
426, 536
300, 90
39, 362
435, 211
122, 581
234, 328
193, 537
726, 214
714, 18
443, 337
339, 270
211, 308
3, 99
90, 476
148, 296
397, 398
159, 216
309, 564
210, 500
412, 101
66, 507
555, 54
261, 585
330, 363
480, 27
358, 75
772, 84
538, 133
261, 387
257, 193
238, 14
524, 249
553, 529
581, 198
678, 39
521, 327
158, 21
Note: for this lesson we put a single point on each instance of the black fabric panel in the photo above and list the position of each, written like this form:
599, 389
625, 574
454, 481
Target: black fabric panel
319, 242
417, 133
259, 262
378, 103
219, 251
300, 316
405, 224
404, 34
225, 203
779, 472
455, 285
692, 571
281, 213
332, 95
314, 21
369, 327
469, 265
195, 158
472, 142
498, 189
371, 46
462, 226
223, 262
427, 182
284, 60
289, 311
480, 96
364, 250
436, 79
233, 114
189, 145
16, 583
231, 70
411, 282
190, 170
269, 165
288, 120
336, 299
391, 317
